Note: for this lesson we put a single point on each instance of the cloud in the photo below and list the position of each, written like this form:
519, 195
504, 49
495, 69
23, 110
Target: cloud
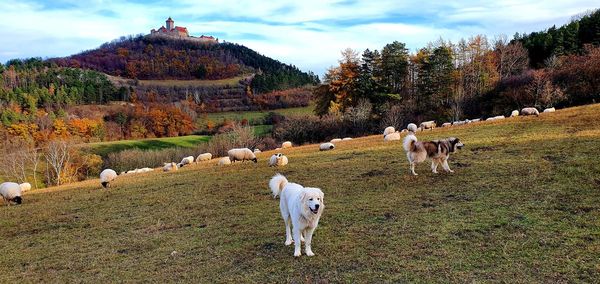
309, 34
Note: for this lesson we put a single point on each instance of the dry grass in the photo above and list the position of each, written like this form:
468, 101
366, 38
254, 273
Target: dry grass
523, 206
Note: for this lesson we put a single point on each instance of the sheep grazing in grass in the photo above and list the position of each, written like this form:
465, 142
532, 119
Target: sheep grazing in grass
25, 186
428, 125
278, 160
392, 137
346, 138
475, 120
256, 151
460, 122
335, 140
224, 161
388, 130
446, 124
286, 144
107, 176
550, 109
11, 192
186, 161
412, 127
241, 154
514, 113
326, 146
169, 167
530, 111
495, 118
204, 157
144, 170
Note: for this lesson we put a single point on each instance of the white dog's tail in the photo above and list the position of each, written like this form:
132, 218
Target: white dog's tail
409, 142
277, 183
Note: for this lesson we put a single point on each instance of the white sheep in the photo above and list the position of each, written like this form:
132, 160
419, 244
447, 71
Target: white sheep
168, 167
11, 192
346, 138
514, 113
446, 124
392, 137
459, 122
278, 160
204, 157
145, 170
224, 161
25, 186
107, 176
286, 144
335, 140
256, 151
412, 127
428, 125
530, 111
475, 120
186, 161
550, 109
241, 154
495, 118
326, 146
388, 130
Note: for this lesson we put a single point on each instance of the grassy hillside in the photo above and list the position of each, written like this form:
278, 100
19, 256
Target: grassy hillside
522, 206
103, 148
253, 115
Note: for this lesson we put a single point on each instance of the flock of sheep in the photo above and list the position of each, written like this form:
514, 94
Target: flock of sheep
12, 192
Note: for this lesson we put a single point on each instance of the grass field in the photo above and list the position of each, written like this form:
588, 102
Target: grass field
103, 148
253, 115
523, 206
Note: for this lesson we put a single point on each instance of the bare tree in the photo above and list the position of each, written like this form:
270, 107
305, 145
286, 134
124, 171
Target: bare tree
512, 58
15, 159
58, 156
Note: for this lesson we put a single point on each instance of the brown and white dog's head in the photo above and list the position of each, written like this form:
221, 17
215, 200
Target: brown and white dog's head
455, 143
312, 201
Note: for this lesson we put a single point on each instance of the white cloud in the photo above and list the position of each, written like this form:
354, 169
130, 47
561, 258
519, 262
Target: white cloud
308, 34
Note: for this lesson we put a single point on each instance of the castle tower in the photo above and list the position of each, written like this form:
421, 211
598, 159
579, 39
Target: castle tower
170, 24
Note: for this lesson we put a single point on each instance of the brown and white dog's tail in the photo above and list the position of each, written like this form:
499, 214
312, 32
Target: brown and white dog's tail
409, 142
277, 184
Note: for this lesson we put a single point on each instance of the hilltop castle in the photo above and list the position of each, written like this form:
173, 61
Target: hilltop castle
180, 32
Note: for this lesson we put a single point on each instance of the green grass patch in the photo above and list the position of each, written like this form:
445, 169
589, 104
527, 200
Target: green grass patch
104, 148
254, 115
522, 206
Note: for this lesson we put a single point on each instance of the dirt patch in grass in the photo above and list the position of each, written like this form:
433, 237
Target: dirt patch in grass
373, 173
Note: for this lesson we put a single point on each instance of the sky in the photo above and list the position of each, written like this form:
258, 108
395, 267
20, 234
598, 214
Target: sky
309, 33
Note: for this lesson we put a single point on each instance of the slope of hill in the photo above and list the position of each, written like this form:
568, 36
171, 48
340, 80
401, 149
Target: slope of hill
523, 204
159, 58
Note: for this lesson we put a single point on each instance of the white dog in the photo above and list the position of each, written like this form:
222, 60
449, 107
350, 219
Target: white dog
302, 206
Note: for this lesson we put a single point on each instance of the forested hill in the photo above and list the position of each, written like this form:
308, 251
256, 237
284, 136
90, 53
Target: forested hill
156, 58
569, 39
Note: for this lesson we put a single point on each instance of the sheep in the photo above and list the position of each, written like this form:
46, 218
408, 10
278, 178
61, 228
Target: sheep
278, 160
204, 157
346, 138
335, 140
428, 125
475, 120
168, 167
186, 161
11, 192
404, 130
106, 176
495, 118
459, 122
550, 109
241, 154
256, 151
145, 170
25, 186
530, 111
412, 127
392, 137
224, 161
446, 124
326, 146
388, 130
514, 113
286, 144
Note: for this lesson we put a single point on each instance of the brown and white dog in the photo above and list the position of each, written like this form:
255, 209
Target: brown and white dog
438, 151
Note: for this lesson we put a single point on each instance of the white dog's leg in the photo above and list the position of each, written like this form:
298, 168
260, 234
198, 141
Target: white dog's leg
302, 236
412, 169
309, 233
446, 166
288, 231
434, 165
297, 242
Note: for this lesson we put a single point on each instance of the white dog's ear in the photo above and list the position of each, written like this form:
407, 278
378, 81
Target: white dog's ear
303, 197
